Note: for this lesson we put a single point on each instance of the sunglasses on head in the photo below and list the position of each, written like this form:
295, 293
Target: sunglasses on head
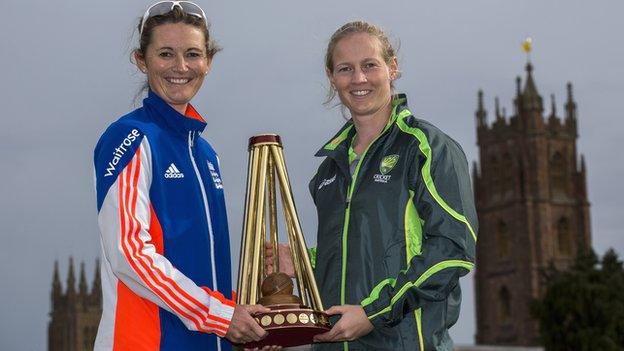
162, 7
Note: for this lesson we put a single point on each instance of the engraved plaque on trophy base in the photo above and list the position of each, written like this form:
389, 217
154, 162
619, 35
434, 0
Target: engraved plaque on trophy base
290, 325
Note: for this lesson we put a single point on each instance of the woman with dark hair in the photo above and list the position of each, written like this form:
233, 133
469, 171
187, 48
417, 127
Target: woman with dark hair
396, 218
166, 276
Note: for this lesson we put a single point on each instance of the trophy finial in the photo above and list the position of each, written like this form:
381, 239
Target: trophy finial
265, 139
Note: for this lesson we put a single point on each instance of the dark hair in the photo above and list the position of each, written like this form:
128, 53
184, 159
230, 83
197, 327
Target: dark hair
174, 16
387, 50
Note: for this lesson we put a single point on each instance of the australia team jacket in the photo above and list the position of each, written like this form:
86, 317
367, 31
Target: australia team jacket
396, 235
164, 235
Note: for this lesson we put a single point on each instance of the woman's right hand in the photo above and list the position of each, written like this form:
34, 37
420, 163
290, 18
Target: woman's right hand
285, 260
243, 327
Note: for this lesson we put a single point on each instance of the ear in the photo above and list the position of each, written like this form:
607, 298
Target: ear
208, 65
330, 76
393, 68
139, 60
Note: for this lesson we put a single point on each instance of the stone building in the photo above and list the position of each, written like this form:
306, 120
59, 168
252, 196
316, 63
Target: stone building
531, 198
75, 313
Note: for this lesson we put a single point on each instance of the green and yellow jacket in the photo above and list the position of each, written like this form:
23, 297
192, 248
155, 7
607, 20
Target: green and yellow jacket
397, 234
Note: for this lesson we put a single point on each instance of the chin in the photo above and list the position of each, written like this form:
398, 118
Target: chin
180, 98
361, 110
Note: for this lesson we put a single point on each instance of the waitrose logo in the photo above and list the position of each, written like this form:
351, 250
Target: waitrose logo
120, 151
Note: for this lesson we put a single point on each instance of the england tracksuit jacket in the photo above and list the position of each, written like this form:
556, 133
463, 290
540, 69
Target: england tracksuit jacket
164, 234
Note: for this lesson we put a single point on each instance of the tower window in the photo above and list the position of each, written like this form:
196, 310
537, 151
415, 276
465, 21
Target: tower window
495, 179
507, 172
558, 173
503, 246
564, 243
504, 305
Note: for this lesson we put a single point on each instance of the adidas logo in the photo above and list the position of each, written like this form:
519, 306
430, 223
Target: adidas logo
173, 172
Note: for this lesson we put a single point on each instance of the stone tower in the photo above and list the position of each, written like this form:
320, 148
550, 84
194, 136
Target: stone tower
75, 314
531, 199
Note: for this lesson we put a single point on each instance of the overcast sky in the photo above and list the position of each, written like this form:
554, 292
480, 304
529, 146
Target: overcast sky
67, 75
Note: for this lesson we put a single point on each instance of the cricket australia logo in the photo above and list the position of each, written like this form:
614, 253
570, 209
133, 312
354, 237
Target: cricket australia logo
386, 165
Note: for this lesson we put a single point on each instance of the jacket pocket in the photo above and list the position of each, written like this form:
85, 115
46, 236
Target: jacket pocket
394, 258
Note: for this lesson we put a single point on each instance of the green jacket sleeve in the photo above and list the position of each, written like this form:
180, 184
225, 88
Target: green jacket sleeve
312, 254
443, 199
312, 250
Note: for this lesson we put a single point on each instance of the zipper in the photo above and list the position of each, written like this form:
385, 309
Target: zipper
345, 228
191, 144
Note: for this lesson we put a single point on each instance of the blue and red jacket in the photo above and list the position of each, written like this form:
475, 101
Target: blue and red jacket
166, 275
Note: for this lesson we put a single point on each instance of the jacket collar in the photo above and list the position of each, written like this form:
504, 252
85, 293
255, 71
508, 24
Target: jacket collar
338, 146
165, 115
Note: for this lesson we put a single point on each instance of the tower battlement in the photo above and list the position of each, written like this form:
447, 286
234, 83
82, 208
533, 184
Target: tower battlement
528, 116
75, 311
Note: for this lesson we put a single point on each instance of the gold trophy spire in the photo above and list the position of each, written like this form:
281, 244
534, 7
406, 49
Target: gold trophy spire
293, 320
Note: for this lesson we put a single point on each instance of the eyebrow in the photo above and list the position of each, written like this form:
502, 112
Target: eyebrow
172, 49
364, 60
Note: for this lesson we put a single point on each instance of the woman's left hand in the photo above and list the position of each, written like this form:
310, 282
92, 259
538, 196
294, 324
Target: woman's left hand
352, 325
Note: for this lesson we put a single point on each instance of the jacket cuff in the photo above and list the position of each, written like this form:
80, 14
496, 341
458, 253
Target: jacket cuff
377, 319
225, 312
221, 311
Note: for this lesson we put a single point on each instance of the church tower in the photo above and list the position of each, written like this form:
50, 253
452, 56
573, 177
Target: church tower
531, 199
75, 314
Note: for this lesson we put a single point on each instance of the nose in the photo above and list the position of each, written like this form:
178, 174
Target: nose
358, 76
180, 64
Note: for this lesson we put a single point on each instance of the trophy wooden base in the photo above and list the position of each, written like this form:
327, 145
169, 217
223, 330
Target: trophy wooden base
290, 325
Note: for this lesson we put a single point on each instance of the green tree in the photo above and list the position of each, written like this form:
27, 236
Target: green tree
583, 307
